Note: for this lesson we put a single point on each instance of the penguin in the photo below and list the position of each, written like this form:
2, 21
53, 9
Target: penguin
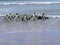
24, 18
6, 18
44, 17
17, 17
34, 16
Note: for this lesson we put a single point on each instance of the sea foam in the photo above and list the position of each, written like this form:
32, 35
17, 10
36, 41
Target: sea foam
28, 3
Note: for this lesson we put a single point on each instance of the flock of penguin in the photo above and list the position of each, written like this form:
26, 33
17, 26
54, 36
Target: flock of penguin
24, 17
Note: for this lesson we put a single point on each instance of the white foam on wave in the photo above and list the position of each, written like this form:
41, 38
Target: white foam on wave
1, 15
53, 16
25, 3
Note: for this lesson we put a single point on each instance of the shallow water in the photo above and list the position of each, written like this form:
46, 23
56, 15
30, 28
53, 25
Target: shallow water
51, 24
39, 32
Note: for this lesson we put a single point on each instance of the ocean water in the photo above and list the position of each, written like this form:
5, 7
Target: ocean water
49, 7
39, 32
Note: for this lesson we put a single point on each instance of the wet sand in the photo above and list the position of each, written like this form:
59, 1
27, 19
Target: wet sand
51, 24
39, 32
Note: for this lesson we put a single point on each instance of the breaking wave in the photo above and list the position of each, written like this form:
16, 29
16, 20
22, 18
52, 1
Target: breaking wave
28, 3
52, 15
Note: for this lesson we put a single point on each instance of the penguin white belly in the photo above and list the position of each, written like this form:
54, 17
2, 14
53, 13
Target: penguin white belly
25, 18
16, 18
33, 18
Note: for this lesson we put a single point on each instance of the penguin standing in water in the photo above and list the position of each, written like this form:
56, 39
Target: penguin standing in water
17, 17
34, 16
24, 18
7, 18
10, 15
44, 17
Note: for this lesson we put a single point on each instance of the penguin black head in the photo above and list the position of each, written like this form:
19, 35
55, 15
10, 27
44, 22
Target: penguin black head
16, 13
43, 13
34, 13
6, 15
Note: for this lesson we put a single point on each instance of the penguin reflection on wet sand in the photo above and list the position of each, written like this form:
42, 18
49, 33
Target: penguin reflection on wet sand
24, 18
